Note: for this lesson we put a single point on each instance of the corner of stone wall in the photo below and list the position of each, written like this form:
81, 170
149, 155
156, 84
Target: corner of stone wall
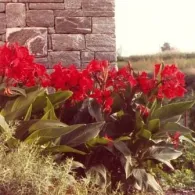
69, 31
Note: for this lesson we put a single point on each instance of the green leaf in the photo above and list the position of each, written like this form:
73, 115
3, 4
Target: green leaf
127, 161
25, 128
184, 138
50, 133
28, 114
95, 110
139, 121
97, 141
56, 99
49, 112
18, 91
171, 110
59, 97
171, 128
163, 154
44, 124
3, 124
63, 149
18, 107
154, 125
144, 133
82, 135
99, 174
144, 180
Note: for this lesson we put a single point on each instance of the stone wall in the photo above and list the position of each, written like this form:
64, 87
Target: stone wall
70, 31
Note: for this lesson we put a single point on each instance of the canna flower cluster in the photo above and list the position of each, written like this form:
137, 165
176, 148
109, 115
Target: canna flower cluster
17, 67
99, 80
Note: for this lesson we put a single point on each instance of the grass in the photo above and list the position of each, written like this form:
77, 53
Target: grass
185, 61
24, 171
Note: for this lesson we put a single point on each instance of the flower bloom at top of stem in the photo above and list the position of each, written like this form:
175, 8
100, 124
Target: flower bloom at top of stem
17, 66
70, 78
172, 82
175, 138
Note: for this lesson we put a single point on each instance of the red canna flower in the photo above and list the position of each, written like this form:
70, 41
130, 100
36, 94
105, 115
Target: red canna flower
172, 83
144, 111
17, 67
109, 139
175, 139
145, 83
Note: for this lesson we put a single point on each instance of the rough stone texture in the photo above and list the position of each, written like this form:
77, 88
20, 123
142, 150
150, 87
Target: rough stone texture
43, 61
73, 25
34, 38
98, 7
2, 7
37, 19
110, 56
87, 56
16, 15
70, 31
46, 6
65, 57
72, 4
2, 23
103, 25
100, 42
68, 42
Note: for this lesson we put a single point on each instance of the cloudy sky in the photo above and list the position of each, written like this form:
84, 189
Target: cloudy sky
142, 26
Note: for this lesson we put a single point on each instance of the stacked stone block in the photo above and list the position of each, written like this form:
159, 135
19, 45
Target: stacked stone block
70, 31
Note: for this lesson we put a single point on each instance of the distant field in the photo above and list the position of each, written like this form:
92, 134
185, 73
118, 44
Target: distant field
185, 61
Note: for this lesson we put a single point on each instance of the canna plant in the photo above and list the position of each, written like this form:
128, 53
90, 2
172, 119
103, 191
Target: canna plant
118, 123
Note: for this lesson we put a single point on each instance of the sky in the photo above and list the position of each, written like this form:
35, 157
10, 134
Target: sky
142, 26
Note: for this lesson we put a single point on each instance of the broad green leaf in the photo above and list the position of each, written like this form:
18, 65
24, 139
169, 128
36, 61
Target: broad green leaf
154, 125
139, 121
123, 138
25, 128
184, 138
144, 133
44, 124
97, 141
17, 91
99, 174
95, 110
56, 99
171, 110
49, 112
127, 161
163, 154
59, 97
153, 107
18, 107
62, 149
28, 114
144, 180
83, 134
171, 128
3, 124
50, 133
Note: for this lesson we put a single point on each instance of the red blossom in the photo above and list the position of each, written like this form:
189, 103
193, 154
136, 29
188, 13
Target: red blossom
175, 138
109, 140
17, 66
172, 83
70, 78
144, 111
103, 98
145, 83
